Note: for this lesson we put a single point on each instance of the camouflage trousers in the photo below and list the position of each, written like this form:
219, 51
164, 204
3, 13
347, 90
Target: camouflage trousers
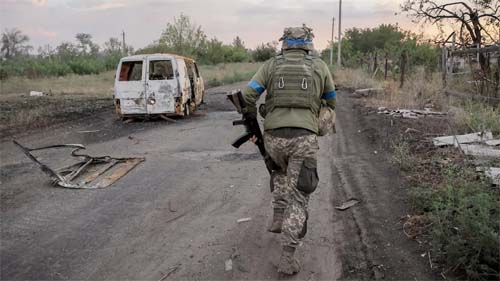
292, 185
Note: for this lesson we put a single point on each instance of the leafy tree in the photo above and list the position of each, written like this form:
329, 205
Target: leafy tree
215, 52
66, 50
183, 37
113, 46
14, 43
86, 45
238, 43
265, 51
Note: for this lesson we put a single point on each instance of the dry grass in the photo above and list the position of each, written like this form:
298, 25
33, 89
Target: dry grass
227, 73
419, 91
95, 85
355, 79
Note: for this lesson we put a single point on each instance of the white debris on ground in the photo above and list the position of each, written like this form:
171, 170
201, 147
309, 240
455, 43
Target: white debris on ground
367, 92
36, 94
468, 138
479, 144
244, 220
228, 265
491, 172
409, 113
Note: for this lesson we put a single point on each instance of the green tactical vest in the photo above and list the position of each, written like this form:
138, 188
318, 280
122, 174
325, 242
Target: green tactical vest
292, 85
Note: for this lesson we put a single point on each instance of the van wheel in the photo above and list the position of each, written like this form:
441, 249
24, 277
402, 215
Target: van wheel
187, 110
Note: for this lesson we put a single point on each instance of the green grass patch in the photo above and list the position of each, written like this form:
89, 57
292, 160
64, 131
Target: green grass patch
465, 213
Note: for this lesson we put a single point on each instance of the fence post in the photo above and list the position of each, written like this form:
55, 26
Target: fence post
444, 67
385, 67
403, 68
497, 78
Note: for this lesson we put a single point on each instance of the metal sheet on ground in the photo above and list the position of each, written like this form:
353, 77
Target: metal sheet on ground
90, 173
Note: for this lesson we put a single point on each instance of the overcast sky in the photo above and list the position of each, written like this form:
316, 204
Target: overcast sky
255, 21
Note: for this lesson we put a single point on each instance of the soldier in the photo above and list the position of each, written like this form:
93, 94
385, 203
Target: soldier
297, 84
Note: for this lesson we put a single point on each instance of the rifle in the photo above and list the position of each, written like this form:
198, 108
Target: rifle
252, 128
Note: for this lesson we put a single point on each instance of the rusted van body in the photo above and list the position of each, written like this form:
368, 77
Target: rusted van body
157, 84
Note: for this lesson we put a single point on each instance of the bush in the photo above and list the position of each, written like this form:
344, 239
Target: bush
464, 213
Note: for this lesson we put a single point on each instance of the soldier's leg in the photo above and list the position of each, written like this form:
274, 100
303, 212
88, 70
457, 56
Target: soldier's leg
302, 180
279, 181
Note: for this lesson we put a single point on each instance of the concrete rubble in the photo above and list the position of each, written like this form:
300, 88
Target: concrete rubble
409, 113
479, 144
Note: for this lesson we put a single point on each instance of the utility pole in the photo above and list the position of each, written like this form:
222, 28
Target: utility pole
331, 42
339, 50
123, 43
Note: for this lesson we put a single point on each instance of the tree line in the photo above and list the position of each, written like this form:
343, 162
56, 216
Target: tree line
83, 56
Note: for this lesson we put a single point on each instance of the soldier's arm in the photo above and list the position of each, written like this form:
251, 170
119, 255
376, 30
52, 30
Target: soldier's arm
256, 87
329, 94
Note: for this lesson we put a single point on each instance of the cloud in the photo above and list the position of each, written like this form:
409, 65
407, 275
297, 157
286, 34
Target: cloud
39, 3
41, 33
97, 5
106, 6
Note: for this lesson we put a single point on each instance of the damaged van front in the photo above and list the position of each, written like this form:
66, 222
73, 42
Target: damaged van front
158, 84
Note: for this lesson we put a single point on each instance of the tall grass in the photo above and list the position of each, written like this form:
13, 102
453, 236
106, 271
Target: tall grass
100, 84
227, 73
419, 90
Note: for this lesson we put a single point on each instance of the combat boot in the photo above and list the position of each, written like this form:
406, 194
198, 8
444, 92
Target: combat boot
278, 215
288, 262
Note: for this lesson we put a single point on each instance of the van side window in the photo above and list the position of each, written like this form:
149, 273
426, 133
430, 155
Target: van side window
131, 71
161, 70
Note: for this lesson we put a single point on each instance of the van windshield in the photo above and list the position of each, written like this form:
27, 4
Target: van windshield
131, 71
161, 70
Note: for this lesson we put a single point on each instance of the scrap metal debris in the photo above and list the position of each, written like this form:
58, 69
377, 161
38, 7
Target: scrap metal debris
347, 204
244, 220
461, 139
491, 172
409, 113
228, 264
89, 172
36, 94
480, 150
367, 92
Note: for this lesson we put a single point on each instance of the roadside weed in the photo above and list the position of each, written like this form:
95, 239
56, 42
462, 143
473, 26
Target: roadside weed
401, 154
465, 213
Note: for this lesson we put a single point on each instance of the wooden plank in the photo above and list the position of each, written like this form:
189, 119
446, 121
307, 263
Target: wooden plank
468, 138
480, 150
477, 50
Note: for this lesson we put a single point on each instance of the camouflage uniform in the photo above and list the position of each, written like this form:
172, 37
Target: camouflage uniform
293, 155
291, 127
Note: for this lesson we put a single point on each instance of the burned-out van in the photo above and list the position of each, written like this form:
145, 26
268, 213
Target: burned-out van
157, 84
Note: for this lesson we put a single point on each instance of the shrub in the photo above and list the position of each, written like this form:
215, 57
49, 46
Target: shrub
466, 233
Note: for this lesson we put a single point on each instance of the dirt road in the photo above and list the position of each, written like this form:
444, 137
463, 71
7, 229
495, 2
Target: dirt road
175, 216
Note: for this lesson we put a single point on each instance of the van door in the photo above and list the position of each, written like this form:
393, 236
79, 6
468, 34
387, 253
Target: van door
184, 84
161, 86
130, 88
199, 86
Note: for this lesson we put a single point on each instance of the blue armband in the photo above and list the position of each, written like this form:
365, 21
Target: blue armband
256, 87
329, 95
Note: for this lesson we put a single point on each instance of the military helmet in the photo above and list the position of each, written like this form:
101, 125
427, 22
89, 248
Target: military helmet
297, 38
